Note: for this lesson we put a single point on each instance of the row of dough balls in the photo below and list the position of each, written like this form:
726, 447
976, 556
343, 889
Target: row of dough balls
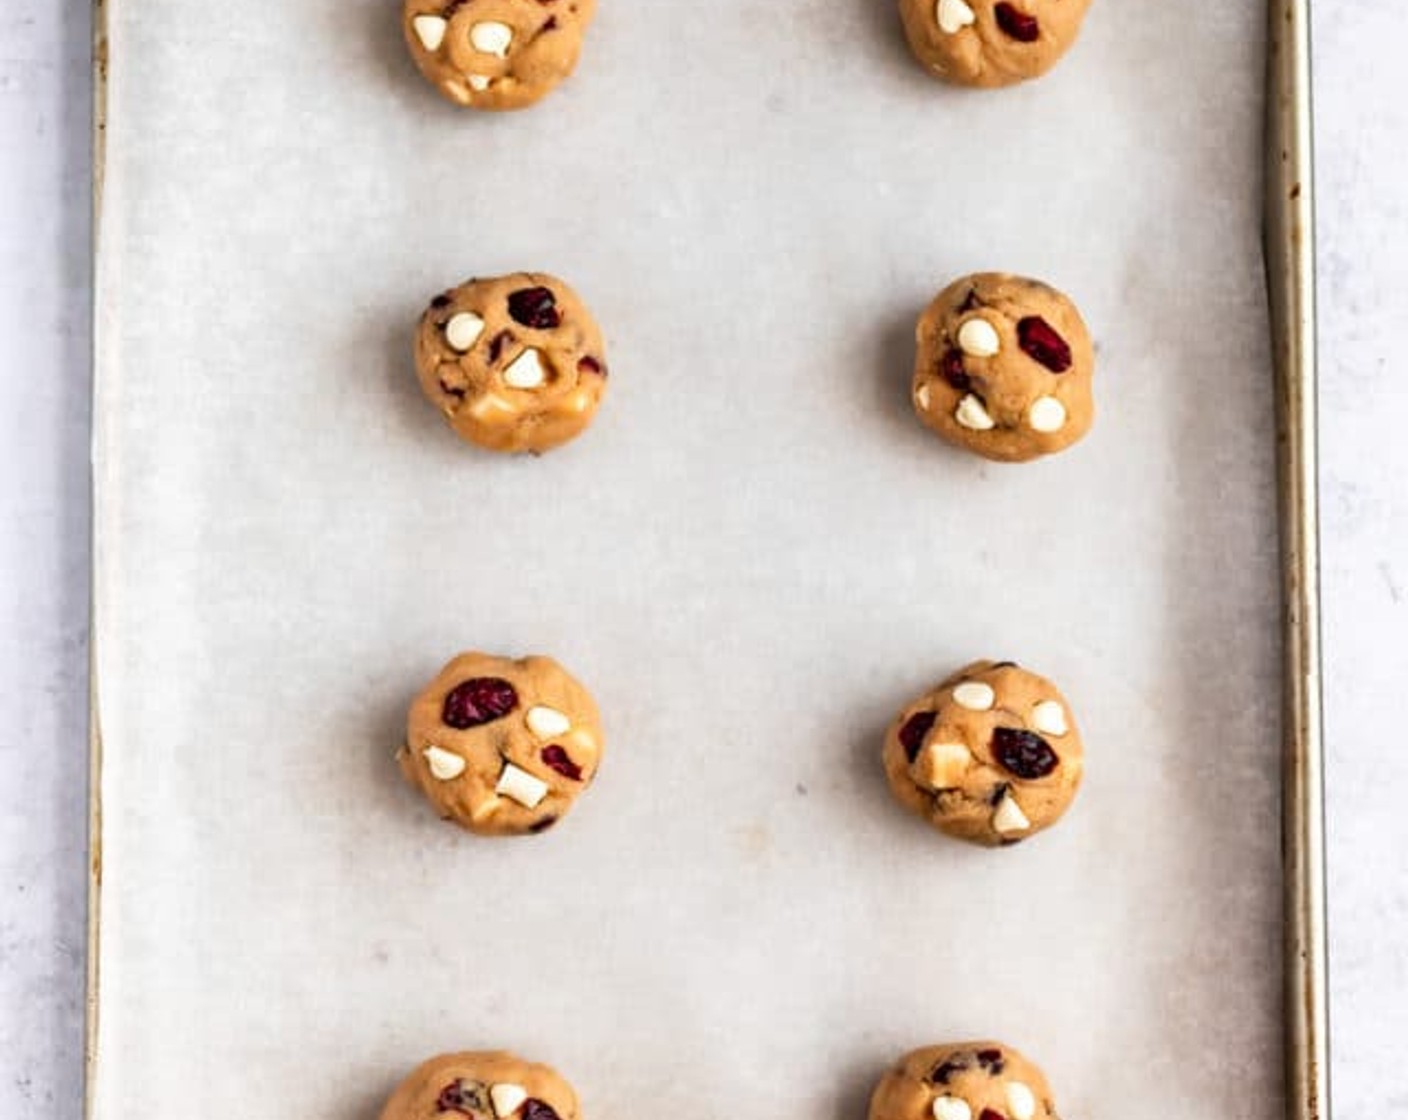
1004, 365
509, 54
505, 747
960, 1081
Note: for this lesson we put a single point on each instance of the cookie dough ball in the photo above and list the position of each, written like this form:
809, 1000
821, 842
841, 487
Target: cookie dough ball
515, 363
991, 755
482, 1086
981, 43
1004, 368
966, 1081
502, 747
496, 54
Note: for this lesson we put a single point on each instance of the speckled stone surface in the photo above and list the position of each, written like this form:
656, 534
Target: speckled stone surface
1362, 118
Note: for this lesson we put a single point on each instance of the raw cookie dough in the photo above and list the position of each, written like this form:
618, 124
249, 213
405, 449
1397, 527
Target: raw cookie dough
482, 1086
966, 1081
515, 363
502, 747
1004, 368
496, 54
981, 43
991, 755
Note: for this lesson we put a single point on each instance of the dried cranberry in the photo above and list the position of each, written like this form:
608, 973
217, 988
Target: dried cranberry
534, 1109
947, 1068
991, 1114
590, 365
441, 302
1040, 342
462, 1096
542, 825
989, 1057
555, 758
913, 732
551, 24
970, 302
479, 701
496, 345
536, 308
1017, 24
999, 791
1024, 753
953, 371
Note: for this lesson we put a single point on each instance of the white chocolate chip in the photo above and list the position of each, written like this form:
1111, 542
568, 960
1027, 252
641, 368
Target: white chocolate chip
1009, 816
975, 696
952, 1108
479, 83
1049, 718
1021, 1101
1047, 415
954, 15
520, 785
463, 330
547, 723
491, 37
972, 415
445, 765
921, 396
430, 30
947, 764
507, 1099
526, 371
978, 338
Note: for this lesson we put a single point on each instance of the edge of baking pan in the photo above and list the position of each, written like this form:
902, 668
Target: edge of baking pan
95, 738
1290, 265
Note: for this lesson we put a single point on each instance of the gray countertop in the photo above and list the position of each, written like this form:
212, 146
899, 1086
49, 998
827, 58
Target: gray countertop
1362, 134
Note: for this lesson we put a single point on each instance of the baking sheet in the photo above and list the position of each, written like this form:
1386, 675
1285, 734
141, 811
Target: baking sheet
754, 558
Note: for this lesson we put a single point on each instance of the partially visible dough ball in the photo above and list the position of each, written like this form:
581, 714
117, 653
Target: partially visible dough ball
496, 54
1004, 368
515, 363
963, 1081
502, 747
990, 755
982, 43
482, 1086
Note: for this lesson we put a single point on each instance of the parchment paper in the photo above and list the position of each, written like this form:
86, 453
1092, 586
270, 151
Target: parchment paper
753, 558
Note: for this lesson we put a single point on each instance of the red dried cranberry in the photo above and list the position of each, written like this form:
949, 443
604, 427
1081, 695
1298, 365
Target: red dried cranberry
1040, 342
542, 825
534, 1109
536, 308
947, 1068
1024, 753
551, 24
441, 302
479, 701
991, 1114
913, 732
970, 302
496, 345
461, 1096
1017, 24
953, 371
590, 365
555, 758
989, 1057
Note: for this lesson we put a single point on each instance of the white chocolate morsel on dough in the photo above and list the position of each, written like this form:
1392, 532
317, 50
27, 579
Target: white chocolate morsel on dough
1009, 816
479, 83
1047, 415
922, 396
947, 764
973, 415
547, 723
979, 339
430, 30
463, 330
491, 37
1021, 1101
445, 765
1049, 717
508, 1098
522, 786
952, 1108
953, 16
975, 696
526, 371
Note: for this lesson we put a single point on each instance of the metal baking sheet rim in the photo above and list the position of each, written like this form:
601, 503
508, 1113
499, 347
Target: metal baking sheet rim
1290, 266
